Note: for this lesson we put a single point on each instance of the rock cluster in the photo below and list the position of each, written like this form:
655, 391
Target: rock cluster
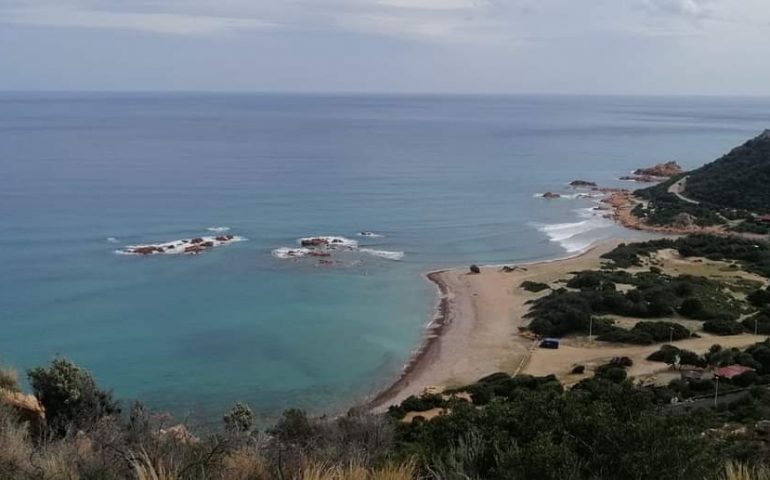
668, 169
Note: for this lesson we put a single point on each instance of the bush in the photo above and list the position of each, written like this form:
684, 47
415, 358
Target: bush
534, 287
691, 308
746, 379
668, 354
620, 335
578, 370
663, 331
759, 298
723, 327
70, 396
611, 373
239, 419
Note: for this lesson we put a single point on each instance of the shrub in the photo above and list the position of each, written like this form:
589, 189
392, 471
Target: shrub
663, 331
239, 419
723, 327
668, 354
612, 373
691, 307
70, 395
534, 287
746, 379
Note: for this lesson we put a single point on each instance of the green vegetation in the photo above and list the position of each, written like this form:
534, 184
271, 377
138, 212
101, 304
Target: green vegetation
70, 396
653, 295
753, 256
534, 287
664, 208
521, 427
730, 188
738, 180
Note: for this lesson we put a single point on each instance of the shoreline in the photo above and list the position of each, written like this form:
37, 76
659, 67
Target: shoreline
460, 322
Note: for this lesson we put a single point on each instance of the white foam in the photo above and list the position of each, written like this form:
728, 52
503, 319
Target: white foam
370, 235
383, 253
286, 252
113, 240
571, 196
575, 236
218, 229
332, 241
177, 247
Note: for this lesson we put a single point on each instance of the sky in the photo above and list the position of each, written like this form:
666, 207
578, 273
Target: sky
657, 47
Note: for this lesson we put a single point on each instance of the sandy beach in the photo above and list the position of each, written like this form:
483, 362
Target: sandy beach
476, 331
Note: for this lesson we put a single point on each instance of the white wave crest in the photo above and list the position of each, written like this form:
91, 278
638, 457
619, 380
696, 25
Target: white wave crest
328, 241
370, 235
218, 229
189, 246
383, 253
577, 236
113, 240
286, 252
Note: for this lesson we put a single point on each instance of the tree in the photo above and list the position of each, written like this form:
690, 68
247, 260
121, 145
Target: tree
239, 419
70, 396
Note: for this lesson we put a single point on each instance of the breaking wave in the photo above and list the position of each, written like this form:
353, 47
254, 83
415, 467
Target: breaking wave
327, 246
577, 236
188, 246
218, 229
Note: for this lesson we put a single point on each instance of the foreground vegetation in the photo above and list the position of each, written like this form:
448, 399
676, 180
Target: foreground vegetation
523, 427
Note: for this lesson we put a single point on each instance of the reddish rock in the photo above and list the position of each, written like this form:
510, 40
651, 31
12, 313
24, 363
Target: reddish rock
224, 238
207, 244
314, 242
320, 254
194, 249
668, 169
148, 250
196, 240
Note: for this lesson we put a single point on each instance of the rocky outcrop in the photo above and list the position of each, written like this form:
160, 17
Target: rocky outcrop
582, 183
148, 250
314, 242
550, 195
641, 178
668, 169
475, 269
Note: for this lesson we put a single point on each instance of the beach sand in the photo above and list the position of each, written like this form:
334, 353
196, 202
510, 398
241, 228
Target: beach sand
476, 332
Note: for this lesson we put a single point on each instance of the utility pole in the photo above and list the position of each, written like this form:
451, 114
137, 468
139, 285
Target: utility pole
716, 391
670, 334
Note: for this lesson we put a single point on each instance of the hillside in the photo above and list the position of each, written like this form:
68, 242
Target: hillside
728, 192
740, 179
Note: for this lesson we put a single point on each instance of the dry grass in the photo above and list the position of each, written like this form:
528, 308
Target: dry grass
246, 464
145, 469
9, 379
738, 471
316, 471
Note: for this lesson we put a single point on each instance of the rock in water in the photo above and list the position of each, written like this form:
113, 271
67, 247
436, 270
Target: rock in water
582, 183
668, 169
475, 269
551, 195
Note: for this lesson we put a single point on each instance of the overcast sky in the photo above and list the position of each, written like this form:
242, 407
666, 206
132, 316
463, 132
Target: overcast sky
702, 47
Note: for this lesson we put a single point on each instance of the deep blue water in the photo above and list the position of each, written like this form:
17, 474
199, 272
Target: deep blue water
446, 180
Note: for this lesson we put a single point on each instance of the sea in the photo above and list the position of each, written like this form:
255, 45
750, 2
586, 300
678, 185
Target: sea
408, 184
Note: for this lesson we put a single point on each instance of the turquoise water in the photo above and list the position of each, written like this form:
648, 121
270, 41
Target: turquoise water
446, 180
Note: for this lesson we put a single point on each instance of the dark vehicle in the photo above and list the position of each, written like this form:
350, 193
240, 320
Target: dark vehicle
549, 343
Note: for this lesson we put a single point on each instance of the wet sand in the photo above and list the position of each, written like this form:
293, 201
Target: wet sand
476, 330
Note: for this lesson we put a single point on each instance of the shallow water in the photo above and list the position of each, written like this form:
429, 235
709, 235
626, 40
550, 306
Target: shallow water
445, 180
